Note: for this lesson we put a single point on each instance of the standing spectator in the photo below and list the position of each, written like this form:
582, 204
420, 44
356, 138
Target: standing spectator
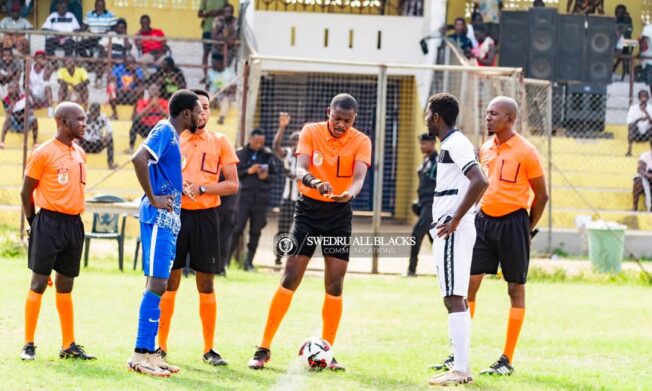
98, 134
226, 31
208, 10
169, 78
255, 171
15, 22
585, 7
127, 83
100, 20
411, 7
74, 6
40, 91
73, 83
147, 113
646, 53
220, 85
287, 155
151, 50
643, 180
426, 191
639, 120
459, 37
10, 67
485, 54
624, 29
14, 104
476, 20
64, 22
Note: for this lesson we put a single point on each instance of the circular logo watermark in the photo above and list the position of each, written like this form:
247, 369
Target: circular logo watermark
285, 244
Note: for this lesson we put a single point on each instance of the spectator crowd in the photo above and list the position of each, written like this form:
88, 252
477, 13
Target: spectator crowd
137, 70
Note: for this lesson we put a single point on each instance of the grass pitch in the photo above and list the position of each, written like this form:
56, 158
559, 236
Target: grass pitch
575, 336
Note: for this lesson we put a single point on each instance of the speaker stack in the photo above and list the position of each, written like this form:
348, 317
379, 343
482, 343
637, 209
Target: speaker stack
575, 52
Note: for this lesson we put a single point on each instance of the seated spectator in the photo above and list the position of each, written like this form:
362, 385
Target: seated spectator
169, 78
226, 31
639, 120
40, 91
15, 22
64, 22
220, 85
643, 180
10, 67
100, 20
624, 29
151, 50
126, 83
98, 134
460, 39
14, 104
120, 44
485, 53
147, 113
74, 6
645, 52
585, 7
73, 83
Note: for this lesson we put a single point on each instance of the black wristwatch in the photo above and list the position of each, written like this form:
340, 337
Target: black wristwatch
202, 190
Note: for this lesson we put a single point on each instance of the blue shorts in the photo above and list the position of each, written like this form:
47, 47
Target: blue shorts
159, 250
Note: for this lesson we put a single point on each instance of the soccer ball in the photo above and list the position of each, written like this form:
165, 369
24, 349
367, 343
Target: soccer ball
315, 353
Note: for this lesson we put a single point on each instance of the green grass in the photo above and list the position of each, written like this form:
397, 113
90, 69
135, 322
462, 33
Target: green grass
576, 335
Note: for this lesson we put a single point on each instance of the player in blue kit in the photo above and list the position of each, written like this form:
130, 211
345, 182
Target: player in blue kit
158, 167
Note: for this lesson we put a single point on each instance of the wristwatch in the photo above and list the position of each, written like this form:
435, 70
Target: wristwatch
202, 190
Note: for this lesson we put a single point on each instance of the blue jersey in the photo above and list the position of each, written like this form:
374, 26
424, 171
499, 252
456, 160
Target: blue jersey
164, 175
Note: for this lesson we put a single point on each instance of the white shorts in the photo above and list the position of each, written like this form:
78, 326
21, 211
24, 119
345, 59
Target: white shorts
453, 259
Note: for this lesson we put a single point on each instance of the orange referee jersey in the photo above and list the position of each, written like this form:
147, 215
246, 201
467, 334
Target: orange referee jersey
61, 172
202, 158
332, 159
510, 167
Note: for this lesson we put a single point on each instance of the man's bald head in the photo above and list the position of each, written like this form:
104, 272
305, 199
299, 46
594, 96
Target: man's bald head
71, 120
65, 109
505, 104
501, 115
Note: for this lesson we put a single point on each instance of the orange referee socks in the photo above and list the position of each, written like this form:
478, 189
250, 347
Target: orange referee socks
208, 314
66, 317
32, 309
472, 308
277, 309
516, 317
331, 314
167, 309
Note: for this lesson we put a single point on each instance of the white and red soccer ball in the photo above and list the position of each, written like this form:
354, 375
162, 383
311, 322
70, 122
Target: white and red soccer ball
316, 353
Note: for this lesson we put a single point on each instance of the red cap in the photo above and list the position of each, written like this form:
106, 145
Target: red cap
36, 53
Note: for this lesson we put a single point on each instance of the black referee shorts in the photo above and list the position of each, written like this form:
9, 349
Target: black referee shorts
200, 238
317, 219
503, 241
55, 243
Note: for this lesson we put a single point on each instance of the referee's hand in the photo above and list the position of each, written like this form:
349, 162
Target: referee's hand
325, 188
344, 197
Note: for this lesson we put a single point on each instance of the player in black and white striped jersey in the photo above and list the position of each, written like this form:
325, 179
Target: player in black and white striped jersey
460, 184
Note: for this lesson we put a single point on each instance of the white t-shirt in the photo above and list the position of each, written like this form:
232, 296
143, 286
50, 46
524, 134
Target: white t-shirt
470, 34
647, 32
646, 157
37, 83
64, 24
635, 113
291, 189
456, 157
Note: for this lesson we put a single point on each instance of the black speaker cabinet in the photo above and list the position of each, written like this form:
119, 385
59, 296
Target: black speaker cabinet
586, 109
543, 42
571, 40
514, 38
600, 46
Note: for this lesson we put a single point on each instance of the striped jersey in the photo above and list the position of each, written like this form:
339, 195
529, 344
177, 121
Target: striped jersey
100, 23
456, 157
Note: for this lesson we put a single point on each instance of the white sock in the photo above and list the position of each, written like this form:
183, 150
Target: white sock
459, 329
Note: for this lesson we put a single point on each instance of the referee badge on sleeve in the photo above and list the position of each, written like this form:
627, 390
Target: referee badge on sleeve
317, 158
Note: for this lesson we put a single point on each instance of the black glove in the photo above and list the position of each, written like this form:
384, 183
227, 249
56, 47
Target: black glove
416, 208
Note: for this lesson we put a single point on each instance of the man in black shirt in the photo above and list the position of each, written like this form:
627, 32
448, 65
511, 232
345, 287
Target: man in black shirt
255, 171
423, 207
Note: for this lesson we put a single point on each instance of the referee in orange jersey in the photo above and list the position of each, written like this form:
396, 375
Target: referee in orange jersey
54, 180
507, 221
204, 154
332, 162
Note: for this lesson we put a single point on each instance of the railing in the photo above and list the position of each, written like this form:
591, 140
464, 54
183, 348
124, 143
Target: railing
356, 7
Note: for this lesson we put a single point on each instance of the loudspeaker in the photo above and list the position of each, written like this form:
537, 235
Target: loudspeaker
514, 39
543, 40
586, 109
571, 40
600, 46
